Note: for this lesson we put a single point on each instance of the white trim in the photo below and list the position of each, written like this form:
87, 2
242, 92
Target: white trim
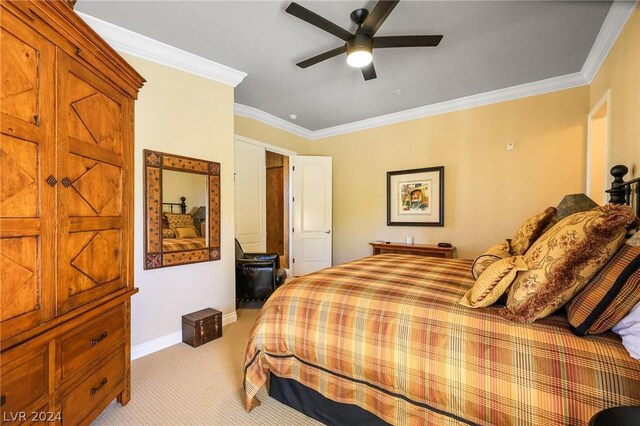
605, 100
272, 120
524, 90
612, 26
155, 345
135, 44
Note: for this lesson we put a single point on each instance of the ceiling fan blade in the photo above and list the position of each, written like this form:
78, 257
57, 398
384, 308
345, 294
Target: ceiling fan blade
369, 72
377, 16
406, 41
323, 56
314, 19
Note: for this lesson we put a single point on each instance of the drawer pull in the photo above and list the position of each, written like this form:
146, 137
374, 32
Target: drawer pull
100, 386
3, 400
99, 339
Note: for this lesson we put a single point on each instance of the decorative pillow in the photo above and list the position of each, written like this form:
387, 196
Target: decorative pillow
178, 220
563, 260
168, 233
629, 329
531, 230
493, 254
493, 282
185, 232
610, 295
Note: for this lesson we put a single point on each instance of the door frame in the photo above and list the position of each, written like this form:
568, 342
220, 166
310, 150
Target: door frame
291, 155
595, 113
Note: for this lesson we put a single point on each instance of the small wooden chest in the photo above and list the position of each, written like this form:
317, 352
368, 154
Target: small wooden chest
201, 327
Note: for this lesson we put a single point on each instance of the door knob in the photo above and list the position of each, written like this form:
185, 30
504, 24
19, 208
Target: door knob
328, 232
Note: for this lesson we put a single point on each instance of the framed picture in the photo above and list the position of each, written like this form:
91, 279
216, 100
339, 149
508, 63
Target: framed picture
416, 197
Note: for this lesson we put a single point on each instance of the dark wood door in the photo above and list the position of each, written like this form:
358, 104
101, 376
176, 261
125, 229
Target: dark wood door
93, 203
27, 159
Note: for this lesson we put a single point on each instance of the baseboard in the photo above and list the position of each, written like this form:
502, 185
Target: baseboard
155, 345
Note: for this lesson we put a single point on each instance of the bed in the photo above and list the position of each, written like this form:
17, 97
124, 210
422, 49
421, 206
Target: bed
175, 219
384, 340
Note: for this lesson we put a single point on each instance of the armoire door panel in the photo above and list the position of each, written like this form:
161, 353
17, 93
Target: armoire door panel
18, 186
27, 159
94, 118
19, 50
91, 209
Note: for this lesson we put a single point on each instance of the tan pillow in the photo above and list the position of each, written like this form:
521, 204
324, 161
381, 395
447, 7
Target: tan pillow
185, 232
168, 233
493, 282
563, 260
493, 254
178, 220
531, 230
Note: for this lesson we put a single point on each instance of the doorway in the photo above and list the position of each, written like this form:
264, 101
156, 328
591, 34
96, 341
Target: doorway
277, 188
598, 141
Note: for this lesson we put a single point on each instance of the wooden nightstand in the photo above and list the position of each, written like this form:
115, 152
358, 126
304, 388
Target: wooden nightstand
415, 249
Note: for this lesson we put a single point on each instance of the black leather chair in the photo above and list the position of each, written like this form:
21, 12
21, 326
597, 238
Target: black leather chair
257, 275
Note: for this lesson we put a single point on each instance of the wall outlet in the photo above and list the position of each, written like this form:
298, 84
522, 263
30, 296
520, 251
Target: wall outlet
510, 146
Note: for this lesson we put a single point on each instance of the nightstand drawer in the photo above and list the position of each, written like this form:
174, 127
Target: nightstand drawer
94, 390
101, 335
24, 381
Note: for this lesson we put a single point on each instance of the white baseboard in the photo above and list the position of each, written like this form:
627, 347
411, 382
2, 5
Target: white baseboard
146, 348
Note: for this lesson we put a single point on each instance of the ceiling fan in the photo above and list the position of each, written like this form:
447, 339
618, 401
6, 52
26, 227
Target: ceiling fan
359, 46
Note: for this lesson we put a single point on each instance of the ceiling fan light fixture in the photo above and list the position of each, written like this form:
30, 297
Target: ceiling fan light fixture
359, 51
359, 58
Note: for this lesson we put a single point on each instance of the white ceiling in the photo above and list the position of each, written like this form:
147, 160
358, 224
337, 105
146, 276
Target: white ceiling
487, 45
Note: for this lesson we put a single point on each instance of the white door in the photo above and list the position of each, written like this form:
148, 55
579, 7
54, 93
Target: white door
250, 196
312, 214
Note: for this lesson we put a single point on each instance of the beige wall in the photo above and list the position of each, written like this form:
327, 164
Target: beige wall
253, 129
621, 74
183, 114
489, 191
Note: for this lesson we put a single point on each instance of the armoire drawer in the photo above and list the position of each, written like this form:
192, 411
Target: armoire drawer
24, 381
90, 342
95, 389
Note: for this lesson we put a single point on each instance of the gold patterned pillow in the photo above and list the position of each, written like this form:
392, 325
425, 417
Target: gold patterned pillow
493, 254
178, 220
493, 282
563, 260
185, 232
168, 233
531, 230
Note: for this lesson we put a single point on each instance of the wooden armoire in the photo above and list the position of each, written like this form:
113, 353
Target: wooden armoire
66, 216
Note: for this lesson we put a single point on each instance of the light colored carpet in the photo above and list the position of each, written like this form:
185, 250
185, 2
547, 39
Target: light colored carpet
181, 385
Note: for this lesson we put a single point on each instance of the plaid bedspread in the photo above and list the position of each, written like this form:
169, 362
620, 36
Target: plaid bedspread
387, 333
175, 244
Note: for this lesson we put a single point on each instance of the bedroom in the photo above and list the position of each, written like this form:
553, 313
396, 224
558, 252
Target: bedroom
549, 160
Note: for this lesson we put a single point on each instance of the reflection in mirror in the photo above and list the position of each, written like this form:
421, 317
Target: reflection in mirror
184, 209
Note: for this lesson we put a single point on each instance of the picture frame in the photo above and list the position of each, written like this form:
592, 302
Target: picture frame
415, 197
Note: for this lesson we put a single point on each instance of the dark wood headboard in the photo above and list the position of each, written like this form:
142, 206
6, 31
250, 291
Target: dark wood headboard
624, 192
182, 205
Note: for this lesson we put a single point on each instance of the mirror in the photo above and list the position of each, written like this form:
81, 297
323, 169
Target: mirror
182, 209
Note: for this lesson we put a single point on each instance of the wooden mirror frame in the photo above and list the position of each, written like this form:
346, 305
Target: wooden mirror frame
154, 163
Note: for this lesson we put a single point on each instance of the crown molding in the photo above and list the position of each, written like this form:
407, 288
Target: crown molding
272, 120
510, 93
612, 26
132, 43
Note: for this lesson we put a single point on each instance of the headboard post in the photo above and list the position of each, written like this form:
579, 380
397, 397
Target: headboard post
617, 192
183, 205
